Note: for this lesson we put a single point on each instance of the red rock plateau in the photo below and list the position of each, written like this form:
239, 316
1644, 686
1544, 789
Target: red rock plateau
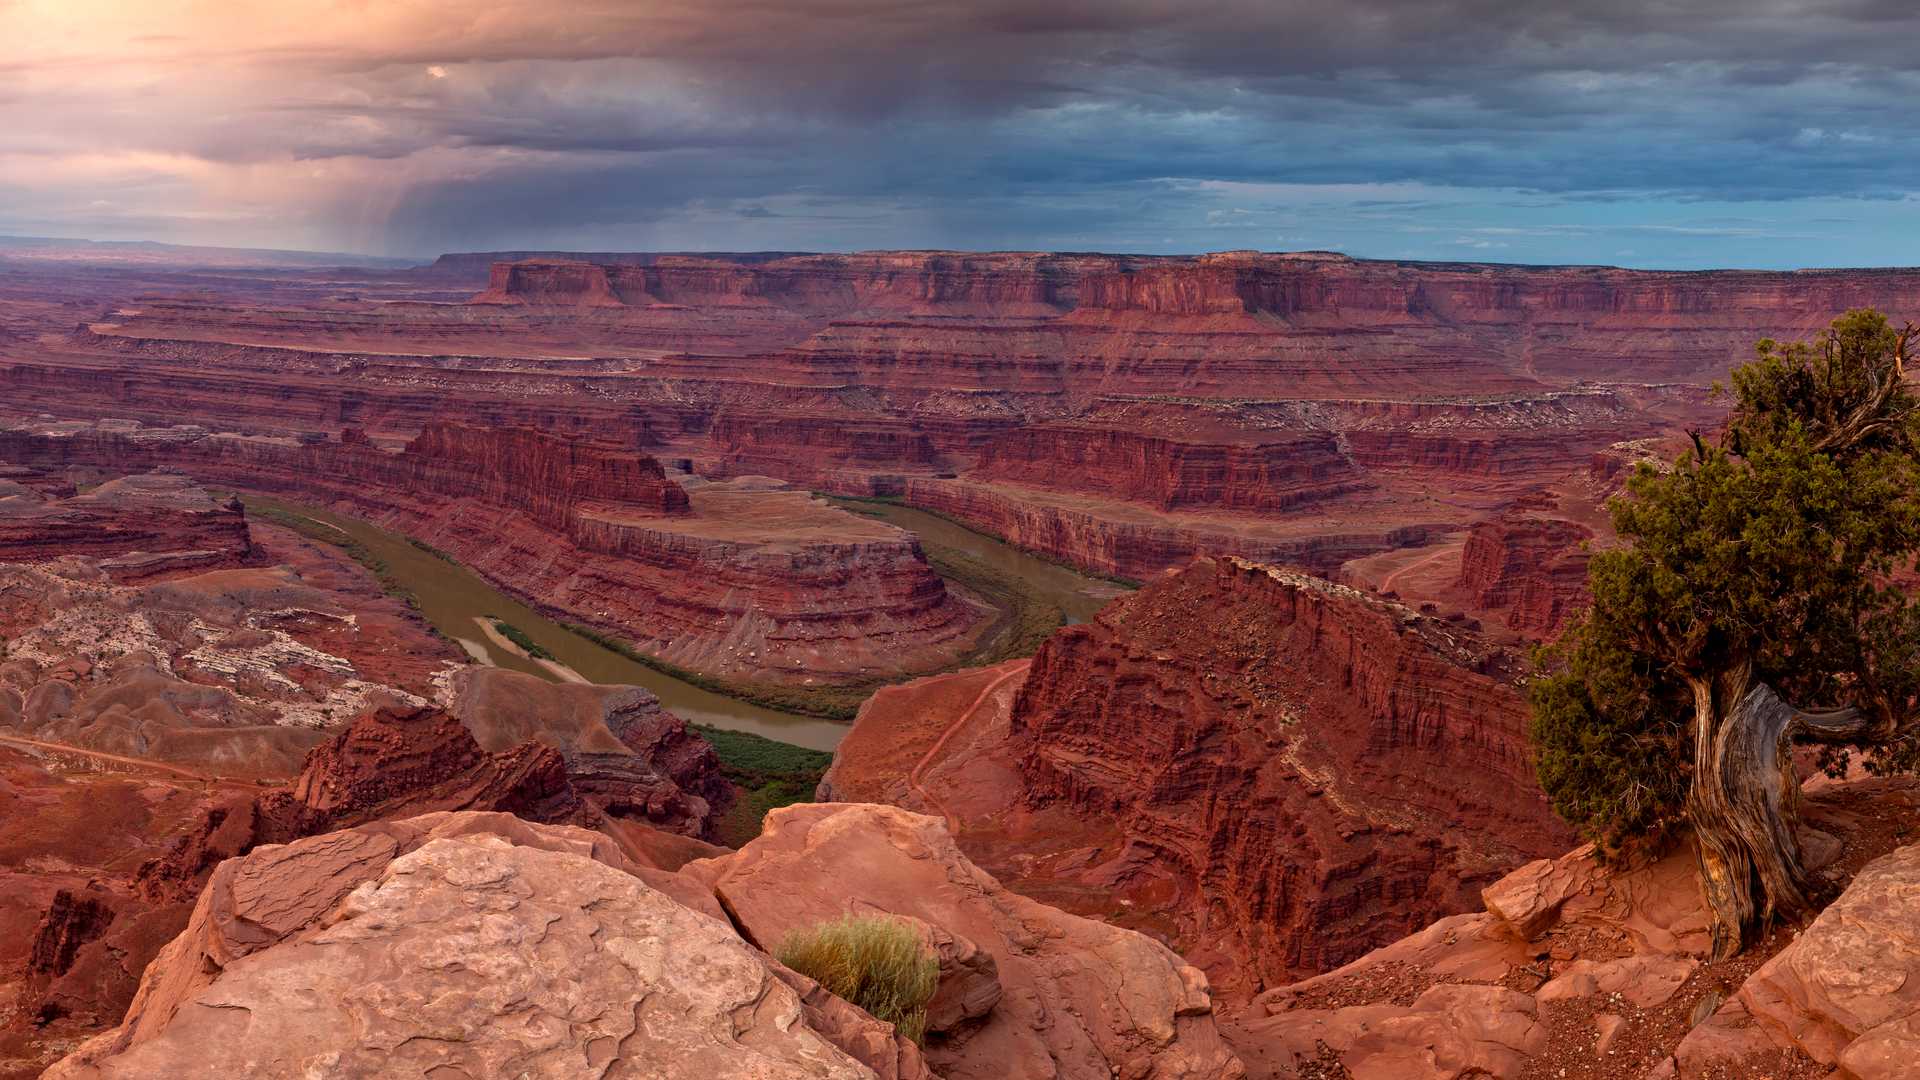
1272, 772
145, 526
464, 932
741, 582
1122, 413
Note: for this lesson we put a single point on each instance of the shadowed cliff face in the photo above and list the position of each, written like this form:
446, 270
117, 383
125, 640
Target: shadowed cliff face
1317, 770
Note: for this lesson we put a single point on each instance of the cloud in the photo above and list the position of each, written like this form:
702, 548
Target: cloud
1371, 125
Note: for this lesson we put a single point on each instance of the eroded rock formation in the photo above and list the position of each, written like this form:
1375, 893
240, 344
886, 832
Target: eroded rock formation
1311, 771
1590, 972
141, 527
750, 584
1269, 771
1120, 412
1533, 567
478, 944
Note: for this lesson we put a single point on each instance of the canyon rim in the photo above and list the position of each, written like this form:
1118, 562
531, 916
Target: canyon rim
873, 541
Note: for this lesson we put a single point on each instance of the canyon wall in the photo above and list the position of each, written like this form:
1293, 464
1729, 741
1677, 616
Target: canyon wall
138, 526
1314, 771
1533, 567
1289, 285
768, 585
1121, 412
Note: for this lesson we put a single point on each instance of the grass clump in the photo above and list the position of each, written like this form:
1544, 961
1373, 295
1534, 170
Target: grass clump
519, 637
874, 961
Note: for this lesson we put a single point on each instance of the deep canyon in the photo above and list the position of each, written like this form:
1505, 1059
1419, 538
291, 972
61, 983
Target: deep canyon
1223, 773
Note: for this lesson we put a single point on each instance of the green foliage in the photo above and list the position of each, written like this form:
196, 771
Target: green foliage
766, 774
519, 637
875, 962
1772, 547
747, 754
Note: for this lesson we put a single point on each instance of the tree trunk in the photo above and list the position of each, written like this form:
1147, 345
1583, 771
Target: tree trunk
1744, 802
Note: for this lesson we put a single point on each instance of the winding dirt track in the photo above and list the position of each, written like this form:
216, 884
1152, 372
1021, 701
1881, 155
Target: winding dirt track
100, 755
1386, 583
966, 717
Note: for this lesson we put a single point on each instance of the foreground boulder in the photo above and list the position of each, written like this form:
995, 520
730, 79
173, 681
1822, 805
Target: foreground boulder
1027, 990
1847, 991
474, 945
1581, 969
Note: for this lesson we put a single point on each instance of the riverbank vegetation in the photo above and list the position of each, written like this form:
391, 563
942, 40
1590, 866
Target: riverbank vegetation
767, 774
520, 639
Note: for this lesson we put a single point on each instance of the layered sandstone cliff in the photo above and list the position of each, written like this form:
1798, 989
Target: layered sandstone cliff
1309, 770
1120, 412
1300, 286
142, 527
1533, 567
746, 583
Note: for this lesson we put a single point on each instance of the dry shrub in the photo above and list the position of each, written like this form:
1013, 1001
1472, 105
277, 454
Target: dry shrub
874, 961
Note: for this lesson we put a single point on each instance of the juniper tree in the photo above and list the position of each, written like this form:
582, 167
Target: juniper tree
1755, 604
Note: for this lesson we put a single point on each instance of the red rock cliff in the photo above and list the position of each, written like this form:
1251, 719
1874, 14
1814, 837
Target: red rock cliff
1535, 567
752, 585
1317, 771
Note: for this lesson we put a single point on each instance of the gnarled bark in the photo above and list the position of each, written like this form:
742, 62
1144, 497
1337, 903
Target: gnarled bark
1744, 802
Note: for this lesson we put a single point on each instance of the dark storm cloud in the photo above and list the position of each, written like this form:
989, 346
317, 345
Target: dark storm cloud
1152, 123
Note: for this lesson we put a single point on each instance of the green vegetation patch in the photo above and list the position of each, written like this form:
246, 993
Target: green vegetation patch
874, 961
433, 551
519, 637
767, 773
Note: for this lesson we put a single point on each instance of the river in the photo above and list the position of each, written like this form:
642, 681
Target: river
1075, 594
455, 600
451, 597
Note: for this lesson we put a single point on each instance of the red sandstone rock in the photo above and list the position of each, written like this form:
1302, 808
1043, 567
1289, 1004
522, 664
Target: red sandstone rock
1844, 991
1534, 566
1195, 464
480, 944
881, 372
745, 584
397, 763
623, 751
1311, 771
1080, 998
1617, 976
142, 527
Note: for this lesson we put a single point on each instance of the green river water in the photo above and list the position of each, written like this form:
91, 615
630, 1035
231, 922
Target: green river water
1075, 594
453, 598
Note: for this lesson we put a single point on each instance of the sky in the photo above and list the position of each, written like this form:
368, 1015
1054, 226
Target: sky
1654, 133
